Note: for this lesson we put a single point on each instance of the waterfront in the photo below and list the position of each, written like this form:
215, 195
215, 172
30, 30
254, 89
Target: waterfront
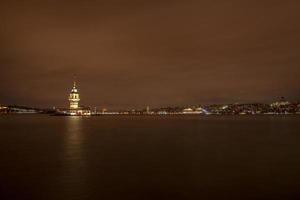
149, 157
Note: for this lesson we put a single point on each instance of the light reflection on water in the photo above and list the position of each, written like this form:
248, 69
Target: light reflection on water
74, 162
73, 137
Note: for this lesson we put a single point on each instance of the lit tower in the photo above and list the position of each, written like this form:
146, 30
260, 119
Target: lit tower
74, 97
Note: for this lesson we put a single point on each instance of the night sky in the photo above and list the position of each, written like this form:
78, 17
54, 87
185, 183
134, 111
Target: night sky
134, 53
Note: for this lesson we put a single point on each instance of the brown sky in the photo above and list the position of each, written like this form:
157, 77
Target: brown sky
135, 53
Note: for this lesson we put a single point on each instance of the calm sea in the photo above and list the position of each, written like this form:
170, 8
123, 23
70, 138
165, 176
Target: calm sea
149, 157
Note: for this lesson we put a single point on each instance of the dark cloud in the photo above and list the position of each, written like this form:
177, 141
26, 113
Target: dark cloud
136, 53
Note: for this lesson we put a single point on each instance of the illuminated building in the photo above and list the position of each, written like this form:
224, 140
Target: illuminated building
74, 97
188, 111
198, 110
3, 109
75, 108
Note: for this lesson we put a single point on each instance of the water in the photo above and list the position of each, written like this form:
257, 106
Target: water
144, 157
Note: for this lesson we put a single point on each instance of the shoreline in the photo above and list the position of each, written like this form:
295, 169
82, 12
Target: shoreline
149, 115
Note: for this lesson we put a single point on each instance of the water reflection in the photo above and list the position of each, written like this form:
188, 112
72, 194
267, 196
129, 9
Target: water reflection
73, 137
74, 162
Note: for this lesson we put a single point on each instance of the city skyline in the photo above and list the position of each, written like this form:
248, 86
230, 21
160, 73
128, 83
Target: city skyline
159, 53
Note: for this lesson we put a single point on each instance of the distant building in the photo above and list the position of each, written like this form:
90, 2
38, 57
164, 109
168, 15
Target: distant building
17, 110
75, 108
3, 109
280, 103
187, 111
74, 97
197, 110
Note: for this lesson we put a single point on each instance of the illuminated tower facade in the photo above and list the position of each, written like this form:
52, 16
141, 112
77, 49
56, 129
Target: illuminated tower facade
74, 97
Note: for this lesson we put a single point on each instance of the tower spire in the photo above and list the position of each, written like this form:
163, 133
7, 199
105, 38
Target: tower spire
74, 81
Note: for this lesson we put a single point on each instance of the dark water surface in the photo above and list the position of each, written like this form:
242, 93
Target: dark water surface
130, 157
